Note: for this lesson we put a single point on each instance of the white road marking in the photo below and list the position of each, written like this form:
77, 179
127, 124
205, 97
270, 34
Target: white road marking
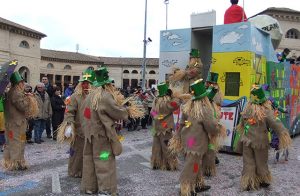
147, 164
55, 183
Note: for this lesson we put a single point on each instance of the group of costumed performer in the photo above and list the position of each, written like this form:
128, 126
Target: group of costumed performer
163, 124
101, 109
18, 106
257, 117
70, 130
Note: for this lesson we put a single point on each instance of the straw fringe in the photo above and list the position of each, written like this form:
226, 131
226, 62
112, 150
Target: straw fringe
61, 133
161, 102
257, 112
96, 97
265, 178
285, 140
33, 109
14, 165
172, 164
200, 181
186, 188
197, 108
174, 145
155, 162
178, 75
249, 181
210, 170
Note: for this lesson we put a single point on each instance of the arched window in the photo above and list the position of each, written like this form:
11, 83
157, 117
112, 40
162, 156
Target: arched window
292, 34
24, 44
91, 68
126, 71
134, 72
152, 72
50, 66
67, 67
25, 73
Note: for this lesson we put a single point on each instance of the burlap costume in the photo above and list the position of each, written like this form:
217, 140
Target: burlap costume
101, 145
17, 107
256, 119
163, 123
74, 115
196, 126
209, 166
194, 133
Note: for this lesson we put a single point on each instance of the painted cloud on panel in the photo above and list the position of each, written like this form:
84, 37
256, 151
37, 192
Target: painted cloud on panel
230, 38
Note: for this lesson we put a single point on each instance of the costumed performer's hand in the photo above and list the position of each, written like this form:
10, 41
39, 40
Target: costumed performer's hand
68, 131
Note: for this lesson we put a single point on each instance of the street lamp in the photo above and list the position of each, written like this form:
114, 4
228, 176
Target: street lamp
144, 51
166, 2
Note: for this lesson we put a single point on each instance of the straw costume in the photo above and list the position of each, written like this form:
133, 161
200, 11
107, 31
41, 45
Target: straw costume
72, 119
18, 107
215, 98
256, 119
102, 107
163, 122
180, 80
197, 125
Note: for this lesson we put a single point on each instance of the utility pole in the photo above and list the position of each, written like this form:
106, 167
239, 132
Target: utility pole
144, 51
166, 2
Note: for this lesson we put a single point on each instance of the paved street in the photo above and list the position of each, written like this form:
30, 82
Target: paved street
48, 172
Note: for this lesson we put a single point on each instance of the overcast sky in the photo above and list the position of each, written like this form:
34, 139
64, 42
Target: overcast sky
115, 28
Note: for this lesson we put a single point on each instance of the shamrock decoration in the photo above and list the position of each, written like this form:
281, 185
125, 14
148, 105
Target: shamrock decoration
104, 155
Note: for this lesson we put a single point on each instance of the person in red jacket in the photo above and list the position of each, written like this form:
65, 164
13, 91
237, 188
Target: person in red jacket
234, 13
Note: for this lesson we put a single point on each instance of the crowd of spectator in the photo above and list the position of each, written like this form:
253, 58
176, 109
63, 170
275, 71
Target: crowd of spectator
51, 103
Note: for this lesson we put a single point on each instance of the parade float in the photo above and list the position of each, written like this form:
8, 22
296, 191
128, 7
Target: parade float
242, 54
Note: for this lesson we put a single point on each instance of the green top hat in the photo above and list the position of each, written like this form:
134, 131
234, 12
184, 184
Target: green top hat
162, 89
198, 89
195, 53
102, 77
88, 75
212, 92
212, 77
15, 78
257, 95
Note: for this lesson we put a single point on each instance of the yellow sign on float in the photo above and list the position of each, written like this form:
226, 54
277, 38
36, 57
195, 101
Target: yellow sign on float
238, 71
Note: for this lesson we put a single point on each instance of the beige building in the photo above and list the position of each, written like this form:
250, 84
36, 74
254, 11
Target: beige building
290, 24
22, 43
61, 67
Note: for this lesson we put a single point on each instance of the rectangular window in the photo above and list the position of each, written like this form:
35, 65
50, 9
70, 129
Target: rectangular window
232, 84
125, 83
134, 83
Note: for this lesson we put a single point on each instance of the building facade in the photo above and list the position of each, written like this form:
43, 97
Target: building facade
21, 43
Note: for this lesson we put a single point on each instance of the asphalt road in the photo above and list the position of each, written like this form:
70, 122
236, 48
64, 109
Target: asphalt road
47, 174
